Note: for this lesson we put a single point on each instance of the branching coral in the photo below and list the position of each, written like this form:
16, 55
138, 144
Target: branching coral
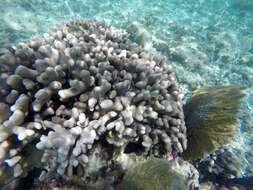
86, 92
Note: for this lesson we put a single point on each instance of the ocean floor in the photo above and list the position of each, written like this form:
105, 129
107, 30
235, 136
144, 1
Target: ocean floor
206, 43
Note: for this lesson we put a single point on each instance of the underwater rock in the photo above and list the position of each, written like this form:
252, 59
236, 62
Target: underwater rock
82, 90
221, 164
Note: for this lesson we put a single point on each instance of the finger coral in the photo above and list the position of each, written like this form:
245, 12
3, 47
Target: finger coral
84, 93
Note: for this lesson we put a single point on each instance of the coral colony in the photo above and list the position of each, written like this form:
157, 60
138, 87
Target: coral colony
77, 101
84, 88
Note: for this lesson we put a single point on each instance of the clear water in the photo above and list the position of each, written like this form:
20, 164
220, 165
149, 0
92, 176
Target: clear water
209, 42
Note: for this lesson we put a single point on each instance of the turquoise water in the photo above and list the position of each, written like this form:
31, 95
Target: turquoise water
206, 42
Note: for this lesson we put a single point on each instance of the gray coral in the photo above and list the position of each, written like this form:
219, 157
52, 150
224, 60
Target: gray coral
86, 91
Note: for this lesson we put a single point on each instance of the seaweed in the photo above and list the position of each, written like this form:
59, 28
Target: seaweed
211, 119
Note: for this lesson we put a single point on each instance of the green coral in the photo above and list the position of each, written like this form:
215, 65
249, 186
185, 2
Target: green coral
153, 174
211, 119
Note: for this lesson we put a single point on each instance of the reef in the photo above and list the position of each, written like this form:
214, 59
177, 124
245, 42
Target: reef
220, 165
84, 94
83, 107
